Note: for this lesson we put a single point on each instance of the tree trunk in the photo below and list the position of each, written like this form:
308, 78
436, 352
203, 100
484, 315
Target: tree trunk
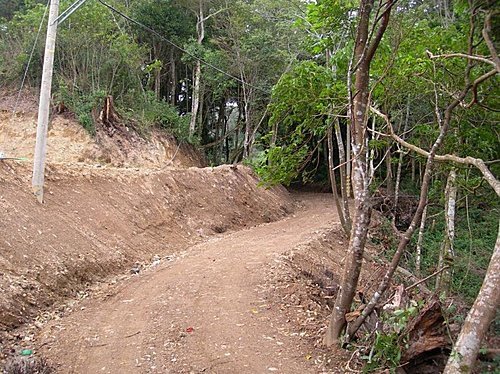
400, 161
195, 105
343, 176
418, 260
413, 167
446, 254
172, 94
372, 151
363, 54
389, 175
248, 141
349, 162
352, 267
478, 320
221, 129
201, 112
157, 74
333, 182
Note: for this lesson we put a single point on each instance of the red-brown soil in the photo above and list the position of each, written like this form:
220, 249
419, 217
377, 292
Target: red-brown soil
134, 266
209, 310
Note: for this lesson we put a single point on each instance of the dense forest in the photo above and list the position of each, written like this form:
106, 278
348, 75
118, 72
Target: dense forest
393, 106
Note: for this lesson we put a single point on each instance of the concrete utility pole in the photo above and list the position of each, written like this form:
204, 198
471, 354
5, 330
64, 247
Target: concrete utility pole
44, 105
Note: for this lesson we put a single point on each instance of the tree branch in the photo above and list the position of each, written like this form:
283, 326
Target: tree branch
214, 14
478, 163
462, 55
381, 30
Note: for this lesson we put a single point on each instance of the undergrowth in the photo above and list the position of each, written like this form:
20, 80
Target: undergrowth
389, 342
151, 112
145, 114
83, 105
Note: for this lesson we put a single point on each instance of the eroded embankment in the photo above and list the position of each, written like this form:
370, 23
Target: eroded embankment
97, 222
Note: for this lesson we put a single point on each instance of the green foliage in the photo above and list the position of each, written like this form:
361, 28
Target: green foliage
166, 17
386, 353
151, 112
300, 113
279, 165
329, 24
83, 105
387, 347
304, 97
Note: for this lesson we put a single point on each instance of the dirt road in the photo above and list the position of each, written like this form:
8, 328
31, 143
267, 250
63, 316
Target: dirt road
204, 312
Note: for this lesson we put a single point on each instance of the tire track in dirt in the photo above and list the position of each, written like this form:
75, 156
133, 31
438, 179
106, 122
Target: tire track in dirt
207, 312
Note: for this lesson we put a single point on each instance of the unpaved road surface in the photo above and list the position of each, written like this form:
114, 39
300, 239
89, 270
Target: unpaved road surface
204, 312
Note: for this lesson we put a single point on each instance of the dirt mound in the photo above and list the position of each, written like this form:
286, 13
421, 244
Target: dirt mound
99, 221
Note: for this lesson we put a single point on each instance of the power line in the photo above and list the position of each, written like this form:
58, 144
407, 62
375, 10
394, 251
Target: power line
180, 48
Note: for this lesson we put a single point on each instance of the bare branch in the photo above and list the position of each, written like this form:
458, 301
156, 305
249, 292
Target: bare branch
426, 278
462, 55
214, 13
478, 163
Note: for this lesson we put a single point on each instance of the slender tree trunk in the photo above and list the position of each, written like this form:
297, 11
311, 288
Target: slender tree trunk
401, 158
195, 105
201, 112
389, 175
172, 94
372, 151
398, 179
420, 176
221, 128
248, 141
482, 313
226, 125
446, 253
413, 169
157, 83
343, 176
363, 55
418, 260
349, 162
333, 182
344, 169
237, 133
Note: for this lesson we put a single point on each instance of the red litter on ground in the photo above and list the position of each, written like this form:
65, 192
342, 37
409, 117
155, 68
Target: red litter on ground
189, 329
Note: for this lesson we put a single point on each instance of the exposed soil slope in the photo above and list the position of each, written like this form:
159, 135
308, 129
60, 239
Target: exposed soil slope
68, 142
97, 221
208, 311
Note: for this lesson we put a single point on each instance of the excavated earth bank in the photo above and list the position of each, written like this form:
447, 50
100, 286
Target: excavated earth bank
98, 221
